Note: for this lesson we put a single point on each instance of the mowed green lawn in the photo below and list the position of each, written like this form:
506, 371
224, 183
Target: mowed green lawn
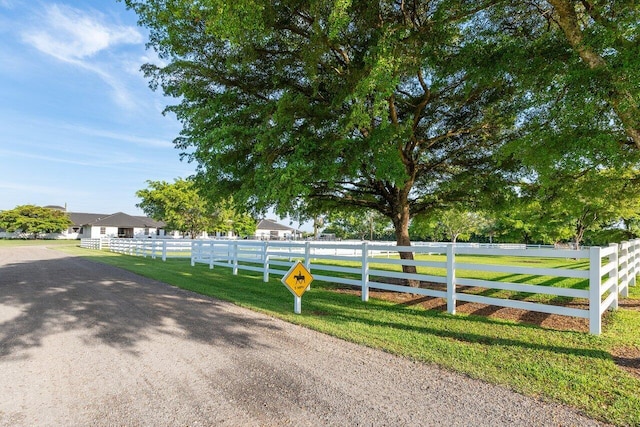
572, 368
6, 243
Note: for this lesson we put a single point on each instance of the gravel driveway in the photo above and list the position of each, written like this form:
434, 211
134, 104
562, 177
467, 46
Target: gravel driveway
82, 343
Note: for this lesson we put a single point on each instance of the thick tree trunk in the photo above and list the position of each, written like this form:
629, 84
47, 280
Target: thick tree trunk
401, 226
577, 238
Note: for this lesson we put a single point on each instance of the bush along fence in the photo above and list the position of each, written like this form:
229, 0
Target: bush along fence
598, 275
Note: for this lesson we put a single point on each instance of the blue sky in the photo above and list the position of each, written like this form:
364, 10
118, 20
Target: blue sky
78, 122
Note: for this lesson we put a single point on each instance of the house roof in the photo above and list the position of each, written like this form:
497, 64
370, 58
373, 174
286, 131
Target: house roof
56, 207
79, 218
269, 224
118, 219
151, 222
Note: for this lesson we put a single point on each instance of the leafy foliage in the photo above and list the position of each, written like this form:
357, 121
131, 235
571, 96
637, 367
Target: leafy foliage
450, 224
182, 208
178, 204
595, 200
34, 220
580, 83
357, 103
227, 218
403, 107
356, 225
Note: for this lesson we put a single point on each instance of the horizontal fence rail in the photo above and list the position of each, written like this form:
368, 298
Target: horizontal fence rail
164, 248
91, 243
607, 272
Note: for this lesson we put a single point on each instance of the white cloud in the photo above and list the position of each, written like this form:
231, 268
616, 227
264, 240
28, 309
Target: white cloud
70, 34
140, 141
14, 186
7, 4
113, 161
78, 37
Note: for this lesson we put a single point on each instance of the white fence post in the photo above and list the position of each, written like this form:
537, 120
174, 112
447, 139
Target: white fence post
196, 252
235, 258
595, 279
624, 268
615, 258
634, 260
212, 251
265, 265
365, 271
451, 279
307, 256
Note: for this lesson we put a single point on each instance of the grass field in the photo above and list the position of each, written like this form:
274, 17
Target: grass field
31, 242
572, 368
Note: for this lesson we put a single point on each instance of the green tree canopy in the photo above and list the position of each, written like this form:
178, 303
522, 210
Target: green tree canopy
357, 225
178, 204
451, 224
580, 84
181, 206
228, 218
595, 200
605, 36
34, 220
398, 107
386, 106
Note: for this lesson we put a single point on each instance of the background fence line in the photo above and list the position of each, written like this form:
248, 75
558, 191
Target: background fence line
611, 270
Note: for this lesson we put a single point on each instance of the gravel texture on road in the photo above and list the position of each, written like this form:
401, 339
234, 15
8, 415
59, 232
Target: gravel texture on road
83, 343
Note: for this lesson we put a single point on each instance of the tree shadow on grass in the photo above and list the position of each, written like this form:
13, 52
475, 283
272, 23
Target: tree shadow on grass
40, 298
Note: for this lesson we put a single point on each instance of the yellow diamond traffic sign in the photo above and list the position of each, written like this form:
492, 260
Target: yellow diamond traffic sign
297, 279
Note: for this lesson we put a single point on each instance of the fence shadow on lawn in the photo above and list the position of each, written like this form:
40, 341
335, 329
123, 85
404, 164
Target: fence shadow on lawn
540, 319
462, 334
547, 320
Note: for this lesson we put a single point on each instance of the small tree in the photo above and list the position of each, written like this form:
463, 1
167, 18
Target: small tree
182, 208
227, 218
34, 220
244, 225
179, 205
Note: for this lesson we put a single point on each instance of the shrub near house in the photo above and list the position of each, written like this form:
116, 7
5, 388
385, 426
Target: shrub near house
34, 221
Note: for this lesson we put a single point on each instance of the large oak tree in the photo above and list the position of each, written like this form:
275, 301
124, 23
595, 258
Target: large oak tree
395, 106
392, 106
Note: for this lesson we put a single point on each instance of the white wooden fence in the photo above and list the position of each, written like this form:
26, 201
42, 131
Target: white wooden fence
610, 273
95, 243
164, 248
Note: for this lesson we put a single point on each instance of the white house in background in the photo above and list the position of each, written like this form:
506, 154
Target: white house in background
94, 226
268, 229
